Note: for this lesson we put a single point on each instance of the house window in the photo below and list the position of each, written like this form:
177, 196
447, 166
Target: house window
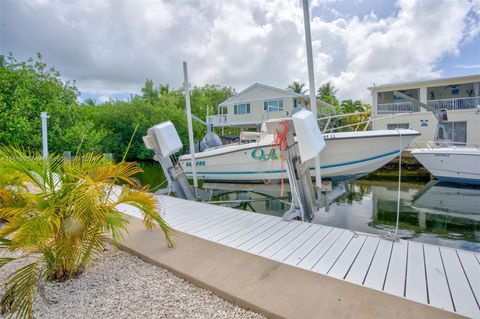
273, 105
243, 108
224, 110
395, 126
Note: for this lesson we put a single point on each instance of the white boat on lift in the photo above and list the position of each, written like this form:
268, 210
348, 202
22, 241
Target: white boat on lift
443, 159
454, 164
347, 155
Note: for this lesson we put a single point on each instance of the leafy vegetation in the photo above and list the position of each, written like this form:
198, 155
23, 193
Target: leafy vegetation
28, 88
57, 214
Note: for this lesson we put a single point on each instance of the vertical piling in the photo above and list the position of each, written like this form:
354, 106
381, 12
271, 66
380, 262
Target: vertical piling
190, 126
311, 83
44, 116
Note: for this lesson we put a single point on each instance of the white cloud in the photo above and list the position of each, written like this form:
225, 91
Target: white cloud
113, 46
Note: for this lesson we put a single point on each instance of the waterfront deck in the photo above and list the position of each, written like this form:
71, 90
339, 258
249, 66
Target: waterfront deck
442, 277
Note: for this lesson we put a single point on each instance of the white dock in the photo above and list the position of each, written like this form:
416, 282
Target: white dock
445, 278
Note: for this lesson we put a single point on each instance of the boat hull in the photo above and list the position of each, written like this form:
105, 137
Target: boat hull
345, 157
455, 165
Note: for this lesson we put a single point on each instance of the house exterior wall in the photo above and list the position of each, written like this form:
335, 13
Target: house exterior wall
435, 92
471, 116
256, 111
255, 95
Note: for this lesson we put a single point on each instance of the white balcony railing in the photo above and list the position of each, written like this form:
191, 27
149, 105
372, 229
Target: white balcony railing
462, 103
401, 107
217, 120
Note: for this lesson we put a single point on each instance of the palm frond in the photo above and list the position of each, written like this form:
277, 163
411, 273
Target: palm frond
6, 260
148, 206
20, 291
4, 242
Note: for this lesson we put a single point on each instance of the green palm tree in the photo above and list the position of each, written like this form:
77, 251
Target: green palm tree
349, 106
164, 89
297, 87
327, 93
62, 216
90, 102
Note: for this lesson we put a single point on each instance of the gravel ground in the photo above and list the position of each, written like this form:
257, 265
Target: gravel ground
120, 285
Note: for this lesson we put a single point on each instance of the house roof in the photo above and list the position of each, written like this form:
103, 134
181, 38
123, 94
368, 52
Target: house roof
473, 77
255, 85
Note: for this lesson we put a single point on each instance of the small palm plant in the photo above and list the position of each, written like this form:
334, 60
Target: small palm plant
60, 215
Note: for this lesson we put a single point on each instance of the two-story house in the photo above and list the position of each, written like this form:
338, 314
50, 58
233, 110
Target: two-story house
255, 104
460, 96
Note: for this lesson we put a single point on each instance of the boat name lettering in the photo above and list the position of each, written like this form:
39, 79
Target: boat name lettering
259, 154
198, 163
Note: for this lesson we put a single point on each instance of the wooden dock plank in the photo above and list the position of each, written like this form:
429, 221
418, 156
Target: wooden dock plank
258, 248
471, 266
219, 224
313, 256
359, 269
297, 256
378, 268
285, 240
238, 225
221, 227
332, 254
296, 243
241, 233
184, 213
202, 218
259, 237
416, 285
463, 299
199, 213
346, 259
438, 290
255, 232
211, 222
395, 280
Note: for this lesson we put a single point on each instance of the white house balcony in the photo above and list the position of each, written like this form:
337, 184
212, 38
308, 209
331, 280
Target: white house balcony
217, 120
462, 103
399, 107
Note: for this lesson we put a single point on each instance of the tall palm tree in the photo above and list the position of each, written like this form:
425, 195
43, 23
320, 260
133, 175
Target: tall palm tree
349, 106
90, 101
164, 89
327, 93
297, 87
65, 218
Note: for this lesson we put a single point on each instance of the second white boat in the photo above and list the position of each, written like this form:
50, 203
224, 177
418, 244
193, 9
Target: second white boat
455, 164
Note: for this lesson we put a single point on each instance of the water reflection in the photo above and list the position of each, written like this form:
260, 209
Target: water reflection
437, 213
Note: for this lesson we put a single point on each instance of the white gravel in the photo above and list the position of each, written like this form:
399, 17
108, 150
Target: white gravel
120, 285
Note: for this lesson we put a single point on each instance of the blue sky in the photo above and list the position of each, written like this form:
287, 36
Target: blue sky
111, 47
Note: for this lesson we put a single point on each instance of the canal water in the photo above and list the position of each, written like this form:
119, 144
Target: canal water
430, 212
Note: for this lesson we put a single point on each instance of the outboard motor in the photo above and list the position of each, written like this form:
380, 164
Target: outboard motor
210, 140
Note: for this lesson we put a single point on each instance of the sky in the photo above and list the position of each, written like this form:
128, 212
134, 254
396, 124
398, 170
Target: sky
111, 47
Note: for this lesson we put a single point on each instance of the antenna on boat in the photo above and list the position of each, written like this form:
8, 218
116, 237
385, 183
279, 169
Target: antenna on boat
311, 84
190, 126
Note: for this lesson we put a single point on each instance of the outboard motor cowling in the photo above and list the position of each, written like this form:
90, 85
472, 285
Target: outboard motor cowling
210, 140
